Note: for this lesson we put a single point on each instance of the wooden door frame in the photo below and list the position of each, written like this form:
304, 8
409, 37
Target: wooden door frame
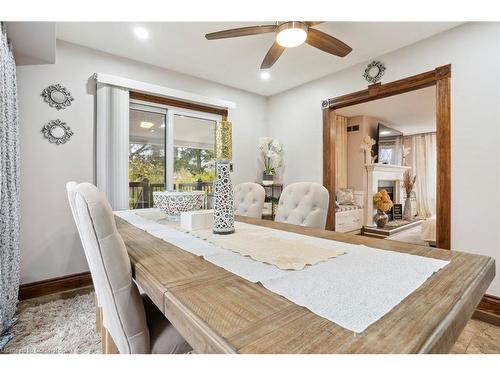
439, 77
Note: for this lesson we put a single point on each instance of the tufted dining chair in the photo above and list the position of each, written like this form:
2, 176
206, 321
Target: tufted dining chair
133, 321
249, 199
303, 203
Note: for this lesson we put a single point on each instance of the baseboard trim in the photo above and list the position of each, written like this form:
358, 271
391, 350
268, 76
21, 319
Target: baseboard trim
488, 310
55, 285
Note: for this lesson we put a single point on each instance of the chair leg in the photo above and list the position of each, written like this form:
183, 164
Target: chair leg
98, 315
110, 344
98, 319
103, 339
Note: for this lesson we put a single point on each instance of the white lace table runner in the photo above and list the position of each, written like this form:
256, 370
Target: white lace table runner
353, 290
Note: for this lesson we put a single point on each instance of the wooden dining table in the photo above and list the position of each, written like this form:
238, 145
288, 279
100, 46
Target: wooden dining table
217, 311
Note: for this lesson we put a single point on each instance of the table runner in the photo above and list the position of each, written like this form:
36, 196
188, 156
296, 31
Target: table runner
286, 254
353, 290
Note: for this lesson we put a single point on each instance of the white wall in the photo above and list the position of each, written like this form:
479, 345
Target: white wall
473, 50
49, 243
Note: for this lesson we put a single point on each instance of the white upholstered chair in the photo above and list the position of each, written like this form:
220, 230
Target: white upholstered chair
249, 199
303, 203
134, 323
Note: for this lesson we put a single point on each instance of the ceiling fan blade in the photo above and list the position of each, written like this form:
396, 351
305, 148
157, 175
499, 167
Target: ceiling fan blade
241, 31
272, 56
327, 43
313, 23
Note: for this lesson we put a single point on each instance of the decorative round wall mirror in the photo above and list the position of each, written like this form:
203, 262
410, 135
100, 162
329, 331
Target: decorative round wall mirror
57, 132
57, 96
374, 71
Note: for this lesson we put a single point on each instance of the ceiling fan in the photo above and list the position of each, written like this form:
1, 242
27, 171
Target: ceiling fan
288, 34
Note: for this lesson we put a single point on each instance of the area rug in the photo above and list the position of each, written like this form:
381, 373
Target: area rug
60, 326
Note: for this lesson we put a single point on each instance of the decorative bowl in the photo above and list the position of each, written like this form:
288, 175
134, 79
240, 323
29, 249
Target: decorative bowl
175, 202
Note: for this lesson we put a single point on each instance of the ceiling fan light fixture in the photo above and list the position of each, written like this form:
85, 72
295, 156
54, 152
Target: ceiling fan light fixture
146, 124
291, 34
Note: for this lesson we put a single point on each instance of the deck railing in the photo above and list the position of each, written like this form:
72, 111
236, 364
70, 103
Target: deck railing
141, 193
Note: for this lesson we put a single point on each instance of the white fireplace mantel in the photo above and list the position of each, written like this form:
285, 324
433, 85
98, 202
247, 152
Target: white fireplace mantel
374, 173
386, 168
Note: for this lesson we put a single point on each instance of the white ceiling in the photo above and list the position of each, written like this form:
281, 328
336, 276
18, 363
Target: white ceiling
181, 46
410, 113
33, 42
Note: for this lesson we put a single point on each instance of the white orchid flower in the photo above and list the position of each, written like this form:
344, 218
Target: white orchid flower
276, 145
264, 142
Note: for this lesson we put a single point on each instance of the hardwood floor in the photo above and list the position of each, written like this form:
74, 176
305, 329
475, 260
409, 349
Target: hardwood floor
478, 338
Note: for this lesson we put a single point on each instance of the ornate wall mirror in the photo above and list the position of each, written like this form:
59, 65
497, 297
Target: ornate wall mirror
374, 71
57, 132
57, 96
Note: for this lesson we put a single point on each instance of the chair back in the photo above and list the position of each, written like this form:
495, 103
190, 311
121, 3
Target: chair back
123, 310
71, 191
249, 199
303, 203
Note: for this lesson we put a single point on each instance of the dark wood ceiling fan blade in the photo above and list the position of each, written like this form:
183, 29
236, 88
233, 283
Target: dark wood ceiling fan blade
241, 31
272, 56
313, 23
327, 43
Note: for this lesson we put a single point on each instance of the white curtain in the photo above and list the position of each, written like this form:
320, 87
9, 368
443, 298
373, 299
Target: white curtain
340, 152
424, 167
112, 144
9, 189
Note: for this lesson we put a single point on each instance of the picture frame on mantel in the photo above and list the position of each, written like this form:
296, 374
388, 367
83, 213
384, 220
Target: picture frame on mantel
397, 211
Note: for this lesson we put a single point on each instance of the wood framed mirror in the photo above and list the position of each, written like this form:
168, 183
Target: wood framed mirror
440, 78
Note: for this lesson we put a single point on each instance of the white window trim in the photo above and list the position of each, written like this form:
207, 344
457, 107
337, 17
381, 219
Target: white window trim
162, 91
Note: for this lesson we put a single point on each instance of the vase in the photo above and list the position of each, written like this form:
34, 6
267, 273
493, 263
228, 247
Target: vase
407, 210
380, 218
267, 179
223, 207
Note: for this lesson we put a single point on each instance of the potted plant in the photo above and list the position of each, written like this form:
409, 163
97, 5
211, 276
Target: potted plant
408, 184
382, 203
272, 152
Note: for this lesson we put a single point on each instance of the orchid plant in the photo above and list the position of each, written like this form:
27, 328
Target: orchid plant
406, 152
272, 151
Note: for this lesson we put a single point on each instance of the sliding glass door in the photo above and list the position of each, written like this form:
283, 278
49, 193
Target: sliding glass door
169, 149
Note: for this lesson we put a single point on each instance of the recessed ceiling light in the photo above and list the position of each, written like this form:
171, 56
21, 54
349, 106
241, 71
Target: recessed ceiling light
265, 75
152, 130
146, 125
162, 125
141, 32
